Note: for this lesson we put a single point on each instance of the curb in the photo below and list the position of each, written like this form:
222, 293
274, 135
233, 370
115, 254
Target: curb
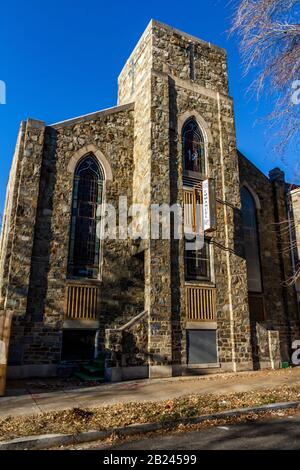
46, 441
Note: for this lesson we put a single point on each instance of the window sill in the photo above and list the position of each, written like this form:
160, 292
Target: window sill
213, 365
84, 281
201, 325
80, 324
194, 174
200, 283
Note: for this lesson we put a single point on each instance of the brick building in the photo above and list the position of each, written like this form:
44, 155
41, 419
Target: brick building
156, 308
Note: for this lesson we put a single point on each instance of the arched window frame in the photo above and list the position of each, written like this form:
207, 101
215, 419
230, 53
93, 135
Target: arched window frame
256, 207
78, 167
190, 178
102, 160
191, 127
253, 194
207, 138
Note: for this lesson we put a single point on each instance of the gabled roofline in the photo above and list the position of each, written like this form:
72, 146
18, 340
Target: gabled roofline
252, 164
94, 115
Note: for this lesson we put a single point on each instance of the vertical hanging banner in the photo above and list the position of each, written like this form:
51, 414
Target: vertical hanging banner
209, 205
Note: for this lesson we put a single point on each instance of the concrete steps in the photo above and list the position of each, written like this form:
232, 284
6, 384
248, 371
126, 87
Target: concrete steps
92, 372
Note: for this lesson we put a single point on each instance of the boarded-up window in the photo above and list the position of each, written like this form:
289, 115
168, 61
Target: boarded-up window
202, 346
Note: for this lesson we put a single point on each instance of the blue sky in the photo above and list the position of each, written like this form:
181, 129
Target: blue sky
61, 59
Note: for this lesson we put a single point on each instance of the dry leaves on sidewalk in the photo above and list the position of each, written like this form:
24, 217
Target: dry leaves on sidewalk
78, 419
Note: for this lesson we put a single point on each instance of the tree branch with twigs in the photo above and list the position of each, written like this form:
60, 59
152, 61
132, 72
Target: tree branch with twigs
269, 38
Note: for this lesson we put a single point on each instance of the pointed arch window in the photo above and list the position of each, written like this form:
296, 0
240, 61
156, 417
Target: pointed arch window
193, 147
84, 250
197, 262
251, 241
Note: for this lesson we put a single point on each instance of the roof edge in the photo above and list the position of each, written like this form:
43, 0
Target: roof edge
188, 36
95, 114
252, 164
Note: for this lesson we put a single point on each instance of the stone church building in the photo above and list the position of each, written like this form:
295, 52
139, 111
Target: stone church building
150, 306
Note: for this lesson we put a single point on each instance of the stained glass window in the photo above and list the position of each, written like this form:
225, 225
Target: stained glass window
251, 241
84, 252
193, 147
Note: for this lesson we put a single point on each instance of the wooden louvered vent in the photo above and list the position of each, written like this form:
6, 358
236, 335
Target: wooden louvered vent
188, 208
81, 302
201, 303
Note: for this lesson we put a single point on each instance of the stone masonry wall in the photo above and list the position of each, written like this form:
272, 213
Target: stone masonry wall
295, 197
280, 301
170, 76
37, 336
21, 207
184, 84
128, 346
185, 57
151, 185
135, 341
205, 97
9, 212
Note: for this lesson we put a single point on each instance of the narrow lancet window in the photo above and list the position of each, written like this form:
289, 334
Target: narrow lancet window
84, 251
193, 147
251, 241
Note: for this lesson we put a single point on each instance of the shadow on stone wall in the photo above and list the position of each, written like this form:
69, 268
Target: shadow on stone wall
122, 291
30, 337
255, 346
128, 347
176, 297
40, 264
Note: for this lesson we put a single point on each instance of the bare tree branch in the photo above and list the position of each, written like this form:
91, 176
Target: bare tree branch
269, 34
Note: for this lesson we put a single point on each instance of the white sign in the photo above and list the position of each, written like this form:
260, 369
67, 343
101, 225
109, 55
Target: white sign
206, 208
208, 205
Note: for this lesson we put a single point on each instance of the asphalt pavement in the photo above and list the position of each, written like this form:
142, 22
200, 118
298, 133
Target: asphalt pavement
272, 434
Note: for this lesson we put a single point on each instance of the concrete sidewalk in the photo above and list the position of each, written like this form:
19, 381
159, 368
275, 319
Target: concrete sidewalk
146, 390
